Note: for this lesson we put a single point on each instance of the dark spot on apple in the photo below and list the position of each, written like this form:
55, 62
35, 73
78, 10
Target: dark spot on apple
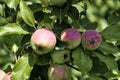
40, 48
65, 56
92, 41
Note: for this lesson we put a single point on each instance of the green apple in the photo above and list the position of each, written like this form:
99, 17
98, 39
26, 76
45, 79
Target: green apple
61, 56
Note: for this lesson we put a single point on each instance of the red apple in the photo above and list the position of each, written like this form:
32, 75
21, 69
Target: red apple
2, 74
43, 41
71, 37
59, 72
91, 39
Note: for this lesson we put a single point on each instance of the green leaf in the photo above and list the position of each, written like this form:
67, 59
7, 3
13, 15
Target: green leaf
59, 13
112, 75
3, 20
107, 48
79, 6
108, 60
114, 18
2, 10
94, 77
23, 67
112, 32
12, 3
12, 28
27, 14
12, 42
85, 23
43, 60
82, 60
46, 22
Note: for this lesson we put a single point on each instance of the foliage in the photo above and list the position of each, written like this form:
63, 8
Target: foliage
20, 18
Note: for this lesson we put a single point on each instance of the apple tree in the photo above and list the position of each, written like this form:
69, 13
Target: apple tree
60, 39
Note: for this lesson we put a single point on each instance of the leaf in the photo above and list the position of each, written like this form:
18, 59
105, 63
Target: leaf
112, 32
79, 6
82, 60
59, 13
114, 18
106, 48
94, 77
46, 22
112, 75
43, 60
85, 23
12, 28
108, 60
98, 66
3, 20
23, 67
73, 14
12, 3
12, 42
27, 14
58, 29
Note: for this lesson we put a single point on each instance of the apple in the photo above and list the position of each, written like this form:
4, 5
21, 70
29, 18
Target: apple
59, 72
2, 74
71, 37
61, 56
8, 76
91, 39
43, 41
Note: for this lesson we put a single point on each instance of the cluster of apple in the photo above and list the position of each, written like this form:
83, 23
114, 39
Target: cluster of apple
43, 41
5, 76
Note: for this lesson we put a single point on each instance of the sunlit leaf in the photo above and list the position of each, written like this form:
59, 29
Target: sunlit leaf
79, 6
23, 67
27, 14
12, 28
12, 3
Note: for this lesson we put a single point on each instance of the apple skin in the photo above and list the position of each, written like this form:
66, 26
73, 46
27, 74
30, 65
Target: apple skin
91, 39
71, 37
2, 74
43, 41
61, 56
59, 72
8, 76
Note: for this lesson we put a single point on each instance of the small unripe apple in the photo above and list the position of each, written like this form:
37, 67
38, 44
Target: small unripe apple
59, 72
61, 56
8, 76
43, 41
91, 39
2, 74
57, 2
71, 37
